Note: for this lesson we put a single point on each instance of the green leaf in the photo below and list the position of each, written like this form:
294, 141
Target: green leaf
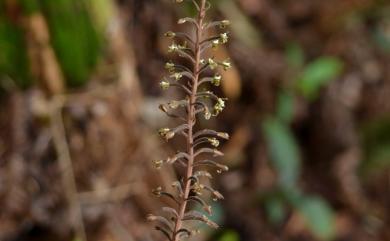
317, 74
14, 63
75, 40
318, 215
30, 6
285, 106
229, 235
284, 151
376, 144
295, 56
275, 209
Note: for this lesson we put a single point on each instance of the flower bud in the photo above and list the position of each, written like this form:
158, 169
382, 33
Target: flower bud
163, 108
157, 164
181, 21
207, 114
169, 135
157, 191
223, 135
170, 34
173, 104
224, 23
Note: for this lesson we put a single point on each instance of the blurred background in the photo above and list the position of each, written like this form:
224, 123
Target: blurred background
308, 113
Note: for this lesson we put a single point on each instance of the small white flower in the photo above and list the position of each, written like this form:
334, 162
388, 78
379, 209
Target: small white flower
215, 43
177, 76
213, 141
212, 63
164, 85
216, 80
226, 64
169, 66
173, 48
224, 38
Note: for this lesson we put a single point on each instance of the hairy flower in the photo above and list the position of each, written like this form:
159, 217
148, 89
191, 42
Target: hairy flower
199, 143
170, 66
215, 43
213, 141
164, 84
212, 63
173, 48
226, 64
219, 106
223, 38
216, 80
177, 76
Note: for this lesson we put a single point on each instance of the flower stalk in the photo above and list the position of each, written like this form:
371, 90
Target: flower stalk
201, 143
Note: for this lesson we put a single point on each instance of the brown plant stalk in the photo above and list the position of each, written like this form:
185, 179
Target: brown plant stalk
191, 118
191, 187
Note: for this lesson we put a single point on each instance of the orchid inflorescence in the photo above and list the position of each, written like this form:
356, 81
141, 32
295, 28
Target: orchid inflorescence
200, 144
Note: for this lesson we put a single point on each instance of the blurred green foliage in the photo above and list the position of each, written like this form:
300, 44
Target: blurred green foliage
74, 37
317, 74
307, 81
13, 55
283, 150
229, 235
376, 144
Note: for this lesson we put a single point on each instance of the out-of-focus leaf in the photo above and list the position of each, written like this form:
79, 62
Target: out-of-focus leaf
275, 209
317, 74
285, 107
13, 56
102, 12
295, 56
283, 150
74, 38
376, 144
241, 26
229, 235
318, 215
29, 6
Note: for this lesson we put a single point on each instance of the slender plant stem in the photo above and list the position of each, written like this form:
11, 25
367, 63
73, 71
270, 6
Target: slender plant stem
191, 118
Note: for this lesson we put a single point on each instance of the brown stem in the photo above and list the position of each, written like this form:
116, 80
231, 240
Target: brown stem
191, 119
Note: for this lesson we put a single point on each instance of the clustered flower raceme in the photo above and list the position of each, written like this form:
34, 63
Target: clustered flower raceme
192, 187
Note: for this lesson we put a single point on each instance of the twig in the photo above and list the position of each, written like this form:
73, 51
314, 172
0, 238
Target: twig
64, 159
